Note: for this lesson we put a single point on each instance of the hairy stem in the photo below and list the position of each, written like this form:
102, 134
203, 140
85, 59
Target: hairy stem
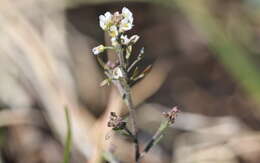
129, 103
126, 94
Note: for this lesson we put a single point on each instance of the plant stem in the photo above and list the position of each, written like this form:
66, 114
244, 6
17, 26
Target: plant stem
68, 143
155, 139
126, 94
130, 134
129, 103
108, 156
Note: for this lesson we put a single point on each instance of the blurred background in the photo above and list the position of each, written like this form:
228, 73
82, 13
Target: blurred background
205, 56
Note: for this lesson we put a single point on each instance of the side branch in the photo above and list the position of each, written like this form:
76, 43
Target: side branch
155, 139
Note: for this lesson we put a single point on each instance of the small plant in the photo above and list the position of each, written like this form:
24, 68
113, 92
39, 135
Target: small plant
123, 74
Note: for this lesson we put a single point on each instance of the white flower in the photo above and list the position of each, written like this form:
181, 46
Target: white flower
98, 49
117, 73
127, 21
125, 40
105, 20
127, 14
125, 25
123, 21
113, 31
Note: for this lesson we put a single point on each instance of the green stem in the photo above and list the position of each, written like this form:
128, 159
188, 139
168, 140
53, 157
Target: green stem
155, 139
68, 143
126, 94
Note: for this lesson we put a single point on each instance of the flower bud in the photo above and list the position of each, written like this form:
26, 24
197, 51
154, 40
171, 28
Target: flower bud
172, 114
116, 122
98, 49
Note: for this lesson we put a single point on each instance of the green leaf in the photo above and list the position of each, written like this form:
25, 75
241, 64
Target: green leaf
140, 76
135, 73
128, 52
123, 132
143, 73
68, 143
105, 82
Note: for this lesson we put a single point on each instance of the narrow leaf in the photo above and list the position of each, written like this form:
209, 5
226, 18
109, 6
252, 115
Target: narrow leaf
68, 143
128, 52
135, 73
147, 69
104, 82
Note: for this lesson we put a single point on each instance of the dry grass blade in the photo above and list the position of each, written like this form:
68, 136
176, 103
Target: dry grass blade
42, 68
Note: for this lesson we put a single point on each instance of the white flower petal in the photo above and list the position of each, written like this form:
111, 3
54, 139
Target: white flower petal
130, 20
125, 25
101, 21
126, 12
104, 20
128, 15
108, 15
102, 25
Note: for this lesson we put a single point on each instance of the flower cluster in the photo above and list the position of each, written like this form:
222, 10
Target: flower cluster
116, 122
115, 25
172, 114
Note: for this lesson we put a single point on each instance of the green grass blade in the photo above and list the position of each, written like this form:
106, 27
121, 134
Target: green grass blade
68, 144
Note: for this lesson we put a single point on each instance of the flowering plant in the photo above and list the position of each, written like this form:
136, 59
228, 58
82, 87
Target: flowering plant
123, 74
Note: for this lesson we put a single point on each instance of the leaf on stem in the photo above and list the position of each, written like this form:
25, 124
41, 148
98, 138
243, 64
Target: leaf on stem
142, 74
128, 51
105, 82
